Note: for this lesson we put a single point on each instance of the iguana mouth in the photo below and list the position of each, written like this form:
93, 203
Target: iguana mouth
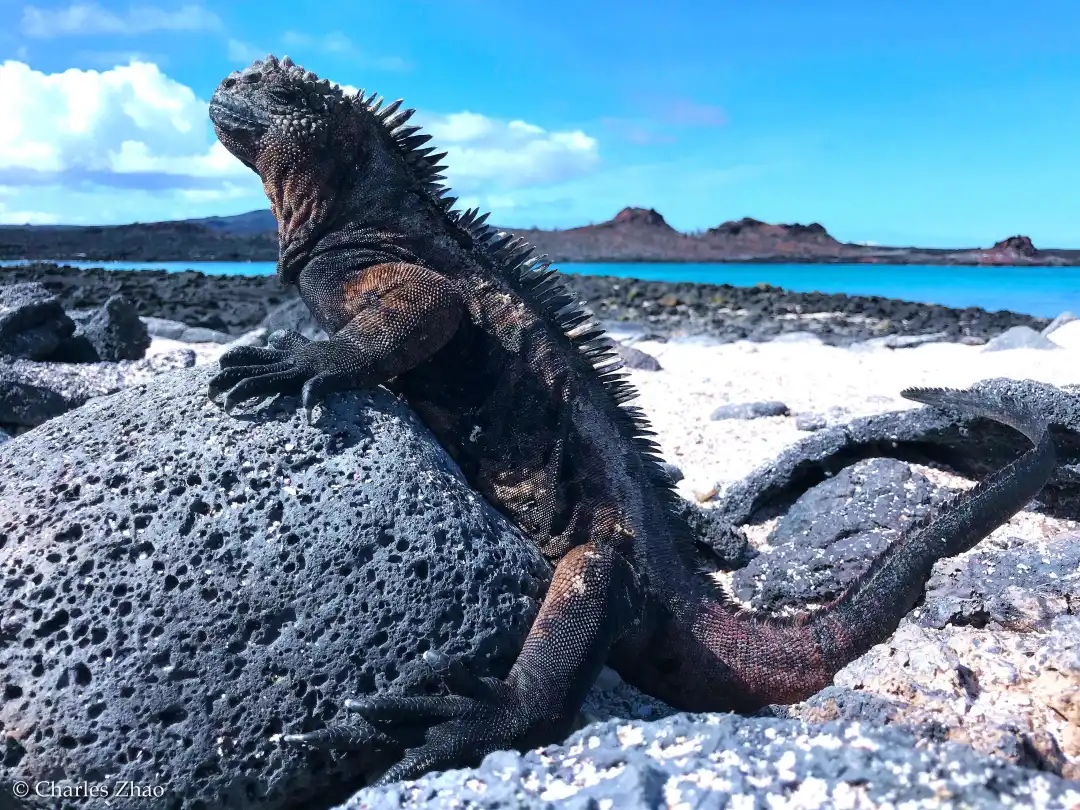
233, 117
236, 128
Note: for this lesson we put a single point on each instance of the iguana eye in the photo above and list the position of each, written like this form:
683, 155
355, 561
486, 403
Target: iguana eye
280, 94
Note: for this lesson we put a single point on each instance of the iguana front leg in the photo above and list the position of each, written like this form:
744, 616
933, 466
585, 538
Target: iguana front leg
398, 315
592, 600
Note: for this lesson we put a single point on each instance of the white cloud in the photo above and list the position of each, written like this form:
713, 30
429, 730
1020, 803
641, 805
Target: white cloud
339, 44
9, 216
132, 143
80, 19
488, 153
130, 119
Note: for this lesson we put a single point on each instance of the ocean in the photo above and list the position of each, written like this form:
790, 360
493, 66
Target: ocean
1039, 291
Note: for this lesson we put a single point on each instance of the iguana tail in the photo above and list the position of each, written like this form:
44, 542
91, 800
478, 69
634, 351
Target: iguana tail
749, 660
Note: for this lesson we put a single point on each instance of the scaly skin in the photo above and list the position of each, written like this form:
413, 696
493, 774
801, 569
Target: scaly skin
523, 390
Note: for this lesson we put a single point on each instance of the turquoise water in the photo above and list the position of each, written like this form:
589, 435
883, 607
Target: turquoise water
1041, 291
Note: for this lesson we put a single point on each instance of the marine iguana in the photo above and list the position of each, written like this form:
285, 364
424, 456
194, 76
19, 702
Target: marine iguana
524, 390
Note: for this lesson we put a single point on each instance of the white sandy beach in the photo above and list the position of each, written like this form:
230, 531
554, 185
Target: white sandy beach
838, 383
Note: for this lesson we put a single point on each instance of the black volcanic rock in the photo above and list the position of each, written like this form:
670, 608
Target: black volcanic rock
832, 532
231, 304
110, 333
1021, 588
33, 323
237, 304
180, 586
295, 316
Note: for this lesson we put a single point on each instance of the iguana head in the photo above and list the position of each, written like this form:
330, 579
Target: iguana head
315, 147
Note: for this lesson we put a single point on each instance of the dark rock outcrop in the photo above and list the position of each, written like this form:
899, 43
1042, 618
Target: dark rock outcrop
1021, 588
972, 447
32, 393
33, 323
1019, 245
231, 304
180, 586
715, 760
720, 546
235, 304
1013, 695
752, 237
750, 410
293, 315
832, 532
636, 358
110, 333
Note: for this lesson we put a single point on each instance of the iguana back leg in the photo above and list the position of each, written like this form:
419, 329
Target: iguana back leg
593, 599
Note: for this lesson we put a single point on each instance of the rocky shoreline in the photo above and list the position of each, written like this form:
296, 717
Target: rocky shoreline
236, 304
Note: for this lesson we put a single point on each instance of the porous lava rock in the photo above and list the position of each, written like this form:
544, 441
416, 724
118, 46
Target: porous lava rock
1015, 695
722, 760
719, 546
970, 446
179, 586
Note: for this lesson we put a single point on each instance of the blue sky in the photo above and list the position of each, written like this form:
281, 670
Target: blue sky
933, 123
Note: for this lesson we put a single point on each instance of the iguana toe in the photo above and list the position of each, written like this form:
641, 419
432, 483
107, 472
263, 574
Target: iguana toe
286, 340
249, 356
230, 376
273, 380
357, 736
